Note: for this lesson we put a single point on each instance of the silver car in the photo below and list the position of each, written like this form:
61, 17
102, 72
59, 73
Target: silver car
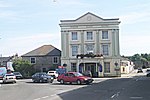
9, 78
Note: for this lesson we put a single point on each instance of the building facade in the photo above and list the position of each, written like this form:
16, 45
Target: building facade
44, 58
91, 43
127, 66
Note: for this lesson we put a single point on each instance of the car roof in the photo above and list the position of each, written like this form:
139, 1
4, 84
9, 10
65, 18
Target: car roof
72, 72
9, 74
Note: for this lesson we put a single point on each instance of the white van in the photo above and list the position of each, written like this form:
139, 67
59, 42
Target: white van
53, 74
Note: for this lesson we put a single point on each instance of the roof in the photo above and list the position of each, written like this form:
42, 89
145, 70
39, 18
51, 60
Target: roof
41, 51
5, 58
89, 13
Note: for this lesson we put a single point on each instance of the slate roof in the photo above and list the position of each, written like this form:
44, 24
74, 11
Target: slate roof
42, 51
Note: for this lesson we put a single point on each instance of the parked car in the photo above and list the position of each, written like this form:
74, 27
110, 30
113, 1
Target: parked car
7, 78
54, 74
140, 70
18, 75
42, 77
148, 74
74, 77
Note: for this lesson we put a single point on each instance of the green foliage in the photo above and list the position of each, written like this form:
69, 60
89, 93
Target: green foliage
141, 60
24, 67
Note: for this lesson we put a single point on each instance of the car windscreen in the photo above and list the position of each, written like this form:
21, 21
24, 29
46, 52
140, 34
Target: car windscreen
78, 74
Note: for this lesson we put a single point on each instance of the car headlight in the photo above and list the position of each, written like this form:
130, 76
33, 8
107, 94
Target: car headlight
85, 79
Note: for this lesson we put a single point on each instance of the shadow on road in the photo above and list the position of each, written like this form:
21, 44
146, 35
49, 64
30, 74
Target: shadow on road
105, 90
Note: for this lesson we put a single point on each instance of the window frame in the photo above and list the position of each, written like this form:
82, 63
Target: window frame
89, 35
55, 60
89, 47
73, 67
105, 35
74, 52
105, 51
106, 67
74, 35
31, 61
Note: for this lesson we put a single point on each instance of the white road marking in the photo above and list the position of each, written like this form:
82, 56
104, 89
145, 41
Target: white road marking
53, 95
136, 98
115, 95
37, 99
45, 97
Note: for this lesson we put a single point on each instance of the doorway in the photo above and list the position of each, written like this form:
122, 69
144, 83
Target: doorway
91, 67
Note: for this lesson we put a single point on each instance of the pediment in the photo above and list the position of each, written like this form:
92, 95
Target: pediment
89, 17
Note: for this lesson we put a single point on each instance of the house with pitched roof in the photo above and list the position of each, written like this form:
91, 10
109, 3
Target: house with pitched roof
44, 58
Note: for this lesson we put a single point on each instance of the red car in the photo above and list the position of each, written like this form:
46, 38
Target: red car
74, 77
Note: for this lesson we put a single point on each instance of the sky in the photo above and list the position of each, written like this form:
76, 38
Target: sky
28, 24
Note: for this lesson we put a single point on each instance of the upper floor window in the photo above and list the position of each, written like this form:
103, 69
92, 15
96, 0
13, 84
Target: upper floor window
74, 50
74, 36
55, 60
105, 49
89, 48
33, 60
104, 34
89, 36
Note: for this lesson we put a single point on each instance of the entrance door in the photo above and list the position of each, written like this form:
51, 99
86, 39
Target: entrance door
91, 67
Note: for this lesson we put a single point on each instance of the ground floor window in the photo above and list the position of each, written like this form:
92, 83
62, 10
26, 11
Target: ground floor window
107, 67
73, 67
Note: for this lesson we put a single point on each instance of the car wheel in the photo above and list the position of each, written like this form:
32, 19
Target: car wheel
4, 82
41, 81
78, 81
50, 80
62, 81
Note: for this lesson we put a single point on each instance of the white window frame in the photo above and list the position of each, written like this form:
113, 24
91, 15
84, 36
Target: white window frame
89, 35
105, 49
74, 35
31, 61
73, 67
105, 35
57, 60
106, 67
90, 48
74, 50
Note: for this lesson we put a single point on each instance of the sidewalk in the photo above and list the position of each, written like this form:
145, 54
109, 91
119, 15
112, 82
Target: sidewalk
131, 74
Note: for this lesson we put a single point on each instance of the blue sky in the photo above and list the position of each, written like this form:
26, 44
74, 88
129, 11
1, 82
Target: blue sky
29, 24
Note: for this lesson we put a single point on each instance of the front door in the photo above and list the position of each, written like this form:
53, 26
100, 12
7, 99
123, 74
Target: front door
91, 67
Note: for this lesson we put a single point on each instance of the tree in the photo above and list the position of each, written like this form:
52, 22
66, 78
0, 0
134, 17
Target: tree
24, 67
141, 60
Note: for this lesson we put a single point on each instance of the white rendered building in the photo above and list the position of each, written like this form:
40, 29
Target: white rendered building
91, 43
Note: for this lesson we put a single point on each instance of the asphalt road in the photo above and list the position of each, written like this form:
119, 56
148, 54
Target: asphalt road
126, 88
131, 88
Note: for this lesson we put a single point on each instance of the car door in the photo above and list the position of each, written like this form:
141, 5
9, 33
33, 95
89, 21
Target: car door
72, 77
66, 77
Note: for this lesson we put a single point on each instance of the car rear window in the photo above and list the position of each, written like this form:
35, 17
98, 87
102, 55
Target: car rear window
51, 72
10, 75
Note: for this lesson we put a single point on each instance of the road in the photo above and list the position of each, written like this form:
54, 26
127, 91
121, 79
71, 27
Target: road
126, 88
